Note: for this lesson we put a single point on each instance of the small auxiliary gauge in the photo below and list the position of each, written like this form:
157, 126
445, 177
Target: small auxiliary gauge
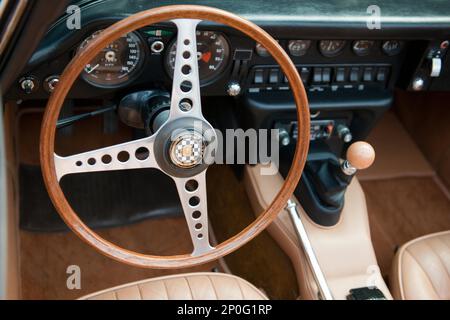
362, 47
298, 48
331, 48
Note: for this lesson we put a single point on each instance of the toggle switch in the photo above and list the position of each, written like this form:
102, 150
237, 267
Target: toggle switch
436, 67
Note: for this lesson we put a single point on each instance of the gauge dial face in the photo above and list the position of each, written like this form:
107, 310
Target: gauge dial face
331, 48
213, 52
392, 47
116, 64
362, 47
298, 48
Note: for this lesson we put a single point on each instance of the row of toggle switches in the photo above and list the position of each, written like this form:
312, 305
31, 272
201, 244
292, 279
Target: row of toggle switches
323, 75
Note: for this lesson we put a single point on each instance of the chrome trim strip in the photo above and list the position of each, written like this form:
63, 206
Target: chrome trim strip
325, 292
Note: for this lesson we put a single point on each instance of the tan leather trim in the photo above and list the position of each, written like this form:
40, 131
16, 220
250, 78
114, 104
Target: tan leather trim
421, 268
191, 286
345, 252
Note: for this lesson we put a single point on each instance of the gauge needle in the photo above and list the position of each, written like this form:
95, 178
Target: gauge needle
93, 68
206, 56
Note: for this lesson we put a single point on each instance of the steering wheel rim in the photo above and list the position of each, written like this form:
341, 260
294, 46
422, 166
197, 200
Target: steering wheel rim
75, 67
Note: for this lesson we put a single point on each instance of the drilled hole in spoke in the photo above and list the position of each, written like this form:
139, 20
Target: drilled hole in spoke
200, 236
198, 226
194, 201
186, 86
186, 69
142, 153
185, 104
191, 185
78, 163
196, 214
186, 54
106, 159
123, 156
91, 161
186, 42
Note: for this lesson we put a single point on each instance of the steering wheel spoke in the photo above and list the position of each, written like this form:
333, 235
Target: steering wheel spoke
186, 101
129, 155
192, 193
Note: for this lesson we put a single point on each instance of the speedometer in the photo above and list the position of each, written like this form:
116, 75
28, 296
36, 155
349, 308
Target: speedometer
213, 52
116, 64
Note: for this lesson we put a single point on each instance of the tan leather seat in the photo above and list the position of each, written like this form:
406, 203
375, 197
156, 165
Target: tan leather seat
421, 269
193, 286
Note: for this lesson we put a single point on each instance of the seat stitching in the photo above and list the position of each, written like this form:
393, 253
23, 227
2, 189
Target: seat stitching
140, 293
240, 288
439, 258
189, 286
444, 242
425, 272
165, 288
214, 288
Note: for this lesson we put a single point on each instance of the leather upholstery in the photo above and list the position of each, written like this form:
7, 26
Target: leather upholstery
421, 269
193, 286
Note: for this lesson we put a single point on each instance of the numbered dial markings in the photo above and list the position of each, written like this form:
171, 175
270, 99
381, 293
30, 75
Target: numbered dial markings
213, 53
117, 63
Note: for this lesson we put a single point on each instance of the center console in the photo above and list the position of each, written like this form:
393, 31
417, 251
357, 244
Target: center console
344, 252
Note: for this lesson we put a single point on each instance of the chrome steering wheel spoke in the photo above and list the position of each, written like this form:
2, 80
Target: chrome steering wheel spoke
129, 155
186, 100
192, 193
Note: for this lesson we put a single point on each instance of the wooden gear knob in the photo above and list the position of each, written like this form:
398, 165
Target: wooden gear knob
361, 155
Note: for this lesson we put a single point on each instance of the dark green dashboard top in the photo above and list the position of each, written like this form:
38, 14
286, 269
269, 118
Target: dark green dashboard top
400, 11
326, 19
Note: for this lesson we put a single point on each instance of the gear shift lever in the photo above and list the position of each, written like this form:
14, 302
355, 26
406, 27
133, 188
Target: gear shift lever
360, 155
325, 181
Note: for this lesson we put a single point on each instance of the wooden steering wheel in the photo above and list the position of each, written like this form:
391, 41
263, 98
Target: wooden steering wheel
164, 146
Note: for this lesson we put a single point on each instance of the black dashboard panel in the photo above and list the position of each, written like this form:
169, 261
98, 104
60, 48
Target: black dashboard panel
413, 23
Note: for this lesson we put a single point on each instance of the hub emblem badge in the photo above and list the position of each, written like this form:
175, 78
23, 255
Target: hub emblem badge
187, 150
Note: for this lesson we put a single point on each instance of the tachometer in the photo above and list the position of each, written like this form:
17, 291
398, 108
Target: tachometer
116, 64
213, 52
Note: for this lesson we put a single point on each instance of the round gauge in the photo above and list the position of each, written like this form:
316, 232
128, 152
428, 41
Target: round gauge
298, 48
362, 47
115, 64
213, 52
331, 48
392, 47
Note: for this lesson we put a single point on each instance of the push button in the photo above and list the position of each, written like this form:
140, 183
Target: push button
259, 76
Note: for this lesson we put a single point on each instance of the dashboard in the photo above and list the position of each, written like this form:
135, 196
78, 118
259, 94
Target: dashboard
350, 71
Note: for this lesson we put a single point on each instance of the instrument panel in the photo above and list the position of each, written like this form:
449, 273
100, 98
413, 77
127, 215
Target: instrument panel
120, 62
229, 62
